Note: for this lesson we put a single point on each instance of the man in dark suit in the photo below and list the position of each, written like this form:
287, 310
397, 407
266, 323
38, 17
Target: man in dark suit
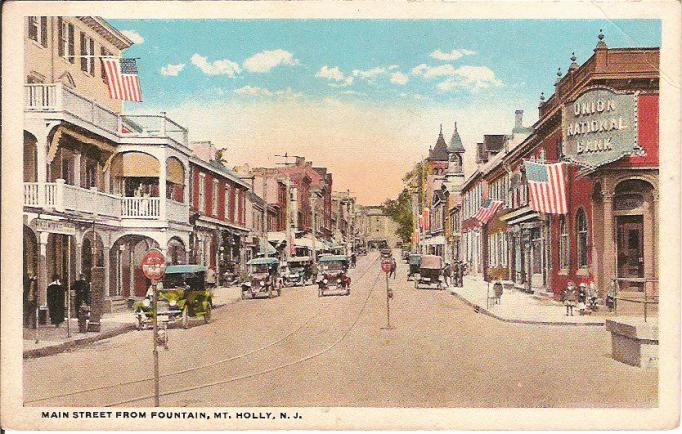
82, 289
55, 301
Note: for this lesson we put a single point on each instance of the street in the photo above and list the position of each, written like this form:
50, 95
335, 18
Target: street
302, 350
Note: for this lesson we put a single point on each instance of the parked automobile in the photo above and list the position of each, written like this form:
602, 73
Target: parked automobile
264, 278
333, 274
404, 255
430, 272
183, 294
386, 253
413, 261
298, 273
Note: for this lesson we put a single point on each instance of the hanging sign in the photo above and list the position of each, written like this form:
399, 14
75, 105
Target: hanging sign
154, 264
600, 127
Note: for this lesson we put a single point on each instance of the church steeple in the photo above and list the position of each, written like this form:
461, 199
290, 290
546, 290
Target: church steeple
456, 145
440, 150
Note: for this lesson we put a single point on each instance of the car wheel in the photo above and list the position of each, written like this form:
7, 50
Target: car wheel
207, 314
140, 324
269, 292
185, 317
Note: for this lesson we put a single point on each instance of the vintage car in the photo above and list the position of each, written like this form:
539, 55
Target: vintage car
386, 253
298, 273
404, 255
333, 274
413, 261
182, 294
264, 278
430, 272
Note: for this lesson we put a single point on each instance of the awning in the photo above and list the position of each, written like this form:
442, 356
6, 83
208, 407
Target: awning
277, 236
269, 250
440, 239
520, 215
175, 172
61, 130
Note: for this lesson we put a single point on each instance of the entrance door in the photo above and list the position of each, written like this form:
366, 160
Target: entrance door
537, 258
630, 254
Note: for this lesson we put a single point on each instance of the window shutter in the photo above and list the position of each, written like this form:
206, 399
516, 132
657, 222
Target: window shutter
60, 30
92, 58
43, 31
72, 42
33, 28
84, 60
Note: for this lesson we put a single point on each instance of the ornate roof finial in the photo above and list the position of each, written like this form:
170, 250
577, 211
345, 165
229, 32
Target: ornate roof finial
601, 43
542, 97
558, 76
441, 129
573, 64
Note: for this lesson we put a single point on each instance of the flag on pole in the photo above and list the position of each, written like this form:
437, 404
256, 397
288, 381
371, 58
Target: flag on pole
426, 222
122, 79
546, 187
487, 210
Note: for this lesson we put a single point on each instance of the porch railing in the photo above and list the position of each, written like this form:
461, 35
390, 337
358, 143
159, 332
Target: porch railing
55, 97
39, 194
644, 298
176, 211
140, 207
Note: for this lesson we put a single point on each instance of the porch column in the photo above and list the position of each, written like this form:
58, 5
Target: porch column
107, 270
650, 243
162, 188
42, 268
41, 157
609, 253
77, 169
131, 274
79, 256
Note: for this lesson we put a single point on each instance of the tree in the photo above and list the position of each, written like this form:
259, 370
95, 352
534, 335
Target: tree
400, 210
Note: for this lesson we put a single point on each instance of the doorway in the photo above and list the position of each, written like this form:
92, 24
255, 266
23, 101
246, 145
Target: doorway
630, 251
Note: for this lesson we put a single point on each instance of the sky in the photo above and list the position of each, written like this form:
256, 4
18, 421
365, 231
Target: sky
364, 98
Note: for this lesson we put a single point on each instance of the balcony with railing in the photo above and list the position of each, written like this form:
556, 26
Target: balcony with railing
57, 98
68, 198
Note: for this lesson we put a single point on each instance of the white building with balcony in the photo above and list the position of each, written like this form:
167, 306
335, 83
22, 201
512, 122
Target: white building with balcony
88, 168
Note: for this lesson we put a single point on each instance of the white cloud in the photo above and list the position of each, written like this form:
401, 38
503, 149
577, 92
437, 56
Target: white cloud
369, 74
269, 59
399, 78
255, 91
172, 70
335, 74
472, 78
133, 36
217, 67
393, 67
455, 54
427, 71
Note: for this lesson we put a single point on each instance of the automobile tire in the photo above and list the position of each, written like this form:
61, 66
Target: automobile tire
207, 314
185, 317
140, 324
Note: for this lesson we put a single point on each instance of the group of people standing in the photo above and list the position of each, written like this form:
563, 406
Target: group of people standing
453, 273
56, 299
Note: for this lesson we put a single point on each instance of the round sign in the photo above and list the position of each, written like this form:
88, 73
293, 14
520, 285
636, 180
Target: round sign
154, 264
386, 266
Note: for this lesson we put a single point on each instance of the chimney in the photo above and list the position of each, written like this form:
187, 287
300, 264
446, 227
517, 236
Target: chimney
204, 150
518, 119
300, 161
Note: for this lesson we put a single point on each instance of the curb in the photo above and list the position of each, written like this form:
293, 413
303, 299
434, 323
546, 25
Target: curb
65, 346
484, 311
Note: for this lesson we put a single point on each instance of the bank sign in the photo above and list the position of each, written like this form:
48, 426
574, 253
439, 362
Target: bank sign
600, 127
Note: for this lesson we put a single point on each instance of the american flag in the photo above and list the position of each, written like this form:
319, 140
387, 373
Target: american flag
122, 79
487, 210
547, 187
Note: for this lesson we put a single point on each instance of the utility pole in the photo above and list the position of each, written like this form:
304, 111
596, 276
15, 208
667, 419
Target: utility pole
314, 233
155, 338
264, 238
287, 219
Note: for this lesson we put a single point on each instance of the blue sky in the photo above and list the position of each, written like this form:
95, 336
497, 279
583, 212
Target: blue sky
460, 68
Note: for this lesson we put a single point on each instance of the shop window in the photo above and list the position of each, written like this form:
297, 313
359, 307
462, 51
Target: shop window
563, 244
581, 226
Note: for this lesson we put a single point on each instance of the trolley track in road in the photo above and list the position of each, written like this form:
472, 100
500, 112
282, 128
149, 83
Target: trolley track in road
228, 359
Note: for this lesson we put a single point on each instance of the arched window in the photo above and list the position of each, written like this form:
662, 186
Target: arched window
563, 244
581, 234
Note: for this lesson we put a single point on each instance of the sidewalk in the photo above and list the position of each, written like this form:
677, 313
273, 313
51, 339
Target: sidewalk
49, 340
520, 307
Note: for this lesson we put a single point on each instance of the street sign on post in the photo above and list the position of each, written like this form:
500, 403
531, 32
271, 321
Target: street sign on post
154, 267
386, 266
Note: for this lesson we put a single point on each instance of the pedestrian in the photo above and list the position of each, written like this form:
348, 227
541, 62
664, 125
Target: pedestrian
82, 288
592, 296
394, 267
447, 274
498, 289
55, 301
313, 271
570, 296
210, 277
30, 303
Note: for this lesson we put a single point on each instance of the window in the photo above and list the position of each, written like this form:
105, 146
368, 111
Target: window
581, 226
563, 244
37, 30
33, 28
227, 202
202, 193
87, 54
214, 198
66, 40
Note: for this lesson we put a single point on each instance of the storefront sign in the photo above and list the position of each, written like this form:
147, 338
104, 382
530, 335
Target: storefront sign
628, 201
55, 227
600, 127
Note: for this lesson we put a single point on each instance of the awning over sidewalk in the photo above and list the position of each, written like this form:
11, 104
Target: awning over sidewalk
520, 215
440, 239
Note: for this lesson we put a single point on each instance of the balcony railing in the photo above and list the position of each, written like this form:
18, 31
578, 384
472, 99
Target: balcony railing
69, 198
55, 97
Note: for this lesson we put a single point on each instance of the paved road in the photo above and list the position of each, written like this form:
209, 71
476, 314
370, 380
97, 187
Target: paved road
301, 350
